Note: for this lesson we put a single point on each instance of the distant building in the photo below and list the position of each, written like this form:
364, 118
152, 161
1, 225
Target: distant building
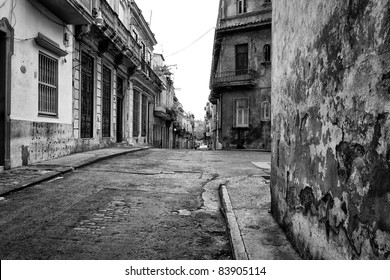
163, 109
211, 132
146, 84
241, 74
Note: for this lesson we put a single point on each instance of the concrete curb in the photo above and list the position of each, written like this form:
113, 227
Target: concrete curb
236, 241
66, 169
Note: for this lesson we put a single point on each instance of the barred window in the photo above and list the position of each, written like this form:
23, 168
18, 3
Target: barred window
136, 104
106, 106
47, 85
144, 115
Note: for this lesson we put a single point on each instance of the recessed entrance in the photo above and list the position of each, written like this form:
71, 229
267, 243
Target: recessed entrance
2, 96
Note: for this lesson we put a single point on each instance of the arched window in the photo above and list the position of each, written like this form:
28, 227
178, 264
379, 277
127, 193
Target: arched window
265, 111
267, 53
241, 6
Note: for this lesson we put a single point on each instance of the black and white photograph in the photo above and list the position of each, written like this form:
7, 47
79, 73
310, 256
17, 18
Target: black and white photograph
210, 139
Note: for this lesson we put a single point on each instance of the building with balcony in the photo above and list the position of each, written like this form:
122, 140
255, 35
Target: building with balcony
240, 81
106, 55
182, 126
211, 126
145, 83
36, 75
75, 75
164, 115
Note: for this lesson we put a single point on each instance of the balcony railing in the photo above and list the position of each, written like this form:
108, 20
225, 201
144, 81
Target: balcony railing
70, 11
123, 34
150, 73
245, 77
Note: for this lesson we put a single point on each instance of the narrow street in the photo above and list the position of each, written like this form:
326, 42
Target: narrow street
153, 204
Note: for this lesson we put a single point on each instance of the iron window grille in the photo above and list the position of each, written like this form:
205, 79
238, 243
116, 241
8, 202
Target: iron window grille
87, 96
48, 85
144, 115
136, 111
106, 112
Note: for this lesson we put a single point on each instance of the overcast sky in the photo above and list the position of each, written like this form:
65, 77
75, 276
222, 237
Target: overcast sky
177, 24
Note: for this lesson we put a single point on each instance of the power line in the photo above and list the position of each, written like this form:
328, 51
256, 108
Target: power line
2, 4
191, 43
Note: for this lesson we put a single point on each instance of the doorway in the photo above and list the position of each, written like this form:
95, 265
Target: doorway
6, 51
87, 95
119, 110
3, 55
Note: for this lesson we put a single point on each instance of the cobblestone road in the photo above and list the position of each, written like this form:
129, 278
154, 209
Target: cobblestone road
155, 204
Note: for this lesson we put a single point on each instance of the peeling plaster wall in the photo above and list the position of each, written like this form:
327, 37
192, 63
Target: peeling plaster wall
36, 141
330, 182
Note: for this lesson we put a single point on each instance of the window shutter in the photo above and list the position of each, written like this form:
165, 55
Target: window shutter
241, 113
235, 113
246, 117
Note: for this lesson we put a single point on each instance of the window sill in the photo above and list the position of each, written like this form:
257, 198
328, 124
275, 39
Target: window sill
241, 127
47, 115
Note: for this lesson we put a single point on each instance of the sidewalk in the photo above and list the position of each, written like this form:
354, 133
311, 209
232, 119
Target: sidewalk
253, 232
23, 177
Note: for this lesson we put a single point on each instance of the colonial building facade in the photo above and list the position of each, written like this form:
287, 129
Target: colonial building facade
79, 78
37, 45
164, 115
105, 58
241, 74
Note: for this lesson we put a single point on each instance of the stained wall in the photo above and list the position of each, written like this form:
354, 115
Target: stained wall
330, 182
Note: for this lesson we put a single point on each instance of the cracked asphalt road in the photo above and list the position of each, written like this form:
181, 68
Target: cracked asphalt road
153, 204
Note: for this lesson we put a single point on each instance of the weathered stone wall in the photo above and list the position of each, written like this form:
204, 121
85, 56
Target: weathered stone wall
36, 141
330, 181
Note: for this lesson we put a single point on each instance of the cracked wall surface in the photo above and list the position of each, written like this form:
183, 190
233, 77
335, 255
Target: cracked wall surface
330, 182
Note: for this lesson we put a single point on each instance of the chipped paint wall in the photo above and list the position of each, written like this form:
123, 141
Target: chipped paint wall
330, 182
35, 136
